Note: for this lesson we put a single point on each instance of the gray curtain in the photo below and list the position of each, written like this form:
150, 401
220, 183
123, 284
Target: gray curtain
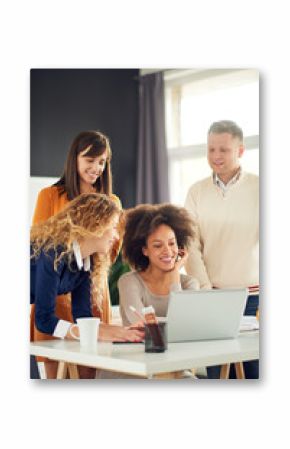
152, 159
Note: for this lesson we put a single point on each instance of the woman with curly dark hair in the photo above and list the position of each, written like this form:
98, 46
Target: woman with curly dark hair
156, 242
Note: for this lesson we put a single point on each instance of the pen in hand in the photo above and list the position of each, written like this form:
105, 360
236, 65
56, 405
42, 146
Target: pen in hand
138, 314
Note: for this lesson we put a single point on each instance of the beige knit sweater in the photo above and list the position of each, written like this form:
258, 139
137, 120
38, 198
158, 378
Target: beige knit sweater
226, 250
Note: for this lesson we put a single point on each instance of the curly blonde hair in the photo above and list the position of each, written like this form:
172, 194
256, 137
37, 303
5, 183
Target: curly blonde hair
89, 214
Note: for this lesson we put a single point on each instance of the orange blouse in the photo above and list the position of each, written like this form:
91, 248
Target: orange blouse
50, 202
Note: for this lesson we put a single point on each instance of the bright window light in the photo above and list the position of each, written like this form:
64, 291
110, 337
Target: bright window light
240, 104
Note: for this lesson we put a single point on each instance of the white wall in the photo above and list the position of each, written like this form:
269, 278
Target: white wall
35, 185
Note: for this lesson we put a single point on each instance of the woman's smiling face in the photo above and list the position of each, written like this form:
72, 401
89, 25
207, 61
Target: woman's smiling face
90, 168
161, 248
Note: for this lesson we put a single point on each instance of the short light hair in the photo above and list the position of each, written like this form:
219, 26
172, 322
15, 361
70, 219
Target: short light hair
226, 126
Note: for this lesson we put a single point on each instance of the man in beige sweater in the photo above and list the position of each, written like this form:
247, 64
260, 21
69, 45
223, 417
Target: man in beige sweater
225, 207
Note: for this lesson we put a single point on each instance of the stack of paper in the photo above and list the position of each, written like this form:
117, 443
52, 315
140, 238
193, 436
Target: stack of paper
249, 323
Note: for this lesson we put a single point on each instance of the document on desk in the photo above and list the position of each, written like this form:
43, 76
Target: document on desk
249, 323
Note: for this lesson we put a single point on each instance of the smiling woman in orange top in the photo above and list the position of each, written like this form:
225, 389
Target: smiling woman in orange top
87, 169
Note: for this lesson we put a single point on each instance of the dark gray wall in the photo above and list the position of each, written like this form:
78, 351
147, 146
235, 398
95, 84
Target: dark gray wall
67, 101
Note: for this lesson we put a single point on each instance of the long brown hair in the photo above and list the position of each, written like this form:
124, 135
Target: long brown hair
96, 143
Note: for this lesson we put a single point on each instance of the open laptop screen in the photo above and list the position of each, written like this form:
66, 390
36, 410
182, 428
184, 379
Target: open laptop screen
205, 314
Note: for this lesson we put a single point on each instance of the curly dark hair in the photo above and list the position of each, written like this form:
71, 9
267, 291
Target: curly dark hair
143, 220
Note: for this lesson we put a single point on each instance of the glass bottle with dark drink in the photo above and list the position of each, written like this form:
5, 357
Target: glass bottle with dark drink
154, 331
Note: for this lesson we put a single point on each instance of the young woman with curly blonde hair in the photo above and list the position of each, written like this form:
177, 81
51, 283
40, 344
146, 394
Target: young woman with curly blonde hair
70, 253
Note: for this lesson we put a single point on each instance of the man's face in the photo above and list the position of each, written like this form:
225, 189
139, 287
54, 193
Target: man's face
223, 153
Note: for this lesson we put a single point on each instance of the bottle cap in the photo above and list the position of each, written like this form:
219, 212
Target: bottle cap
149, 309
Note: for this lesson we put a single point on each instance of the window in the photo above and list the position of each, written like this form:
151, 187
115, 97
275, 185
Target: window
195, 99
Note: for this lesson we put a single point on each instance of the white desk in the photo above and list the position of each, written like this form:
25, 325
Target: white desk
131, 358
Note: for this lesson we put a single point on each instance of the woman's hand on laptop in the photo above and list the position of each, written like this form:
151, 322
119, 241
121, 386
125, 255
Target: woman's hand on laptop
109, 332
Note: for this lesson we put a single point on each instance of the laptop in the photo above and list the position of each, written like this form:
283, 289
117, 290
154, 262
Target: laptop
205, 314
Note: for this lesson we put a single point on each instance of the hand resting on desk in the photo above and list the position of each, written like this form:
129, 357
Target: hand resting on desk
109, 332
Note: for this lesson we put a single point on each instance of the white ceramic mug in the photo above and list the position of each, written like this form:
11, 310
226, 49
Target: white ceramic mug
88, 329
